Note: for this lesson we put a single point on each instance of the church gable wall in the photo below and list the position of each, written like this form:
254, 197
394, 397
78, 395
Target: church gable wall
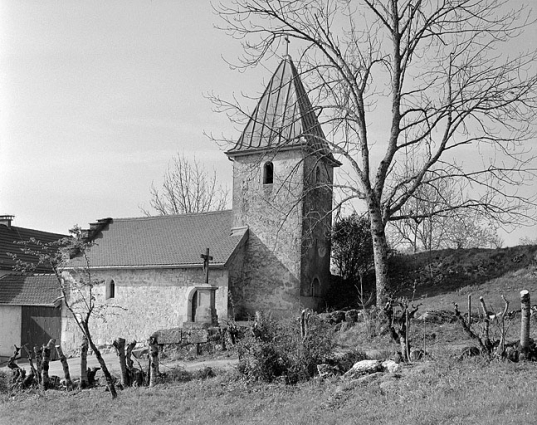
144, 301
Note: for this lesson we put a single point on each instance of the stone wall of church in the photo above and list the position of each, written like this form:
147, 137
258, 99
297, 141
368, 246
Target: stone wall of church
144, 302
316, 246
273, 212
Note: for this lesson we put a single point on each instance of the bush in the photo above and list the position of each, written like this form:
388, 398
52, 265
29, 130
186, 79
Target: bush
4, 382
276, 349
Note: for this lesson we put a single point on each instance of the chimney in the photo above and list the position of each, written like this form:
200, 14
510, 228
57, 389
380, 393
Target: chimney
6, 220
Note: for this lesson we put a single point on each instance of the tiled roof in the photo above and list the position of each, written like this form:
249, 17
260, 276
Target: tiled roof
8, 239
18, 289
169, 240
284, 118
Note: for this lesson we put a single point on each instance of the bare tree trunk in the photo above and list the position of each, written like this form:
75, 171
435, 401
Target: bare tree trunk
380, 254
119, 345
128, 356
45, 382
65, 366
30, 360
84, 383
524, 324
154, 371
104, 368
38, 363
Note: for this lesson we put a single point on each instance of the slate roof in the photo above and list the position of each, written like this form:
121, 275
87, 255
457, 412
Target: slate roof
170, 240
8, 237
18, 289
283, 118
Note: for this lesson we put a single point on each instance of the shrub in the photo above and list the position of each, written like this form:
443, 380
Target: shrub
4, 382
277, 349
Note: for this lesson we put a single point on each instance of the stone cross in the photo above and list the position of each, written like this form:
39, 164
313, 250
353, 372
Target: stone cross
206, 258
286, 45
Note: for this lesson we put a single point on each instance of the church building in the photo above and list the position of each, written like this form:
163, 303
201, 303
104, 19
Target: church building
270, 252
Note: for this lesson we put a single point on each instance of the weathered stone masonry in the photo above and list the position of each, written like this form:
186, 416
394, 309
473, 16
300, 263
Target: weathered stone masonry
145, 300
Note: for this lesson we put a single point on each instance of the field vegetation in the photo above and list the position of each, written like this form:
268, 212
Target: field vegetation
441, 388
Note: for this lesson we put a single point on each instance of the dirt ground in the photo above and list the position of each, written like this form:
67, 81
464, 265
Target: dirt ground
112, 362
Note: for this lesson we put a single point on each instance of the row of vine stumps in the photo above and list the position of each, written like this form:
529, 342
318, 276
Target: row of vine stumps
293, 351
132, 372
39, 360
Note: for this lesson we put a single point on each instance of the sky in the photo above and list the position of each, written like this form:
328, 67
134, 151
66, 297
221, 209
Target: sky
96, 97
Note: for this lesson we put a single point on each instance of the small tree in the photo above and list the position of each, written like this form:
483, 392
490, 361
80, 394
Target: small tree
74, 280
352, 250
187, 188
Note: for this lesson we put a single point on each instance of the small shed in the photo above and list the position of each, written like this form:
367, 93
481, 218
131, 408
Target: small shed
30, 311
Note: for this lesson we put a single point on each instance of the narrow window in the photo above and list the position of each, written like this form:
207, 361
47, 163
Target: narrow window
110, 289
317, 174
315, 288
268, 173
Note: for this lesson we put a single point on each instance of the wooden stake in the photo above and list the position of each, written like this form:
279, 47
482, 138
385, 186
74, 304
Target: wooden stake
469, 309
524, 324
153, 345
84, 382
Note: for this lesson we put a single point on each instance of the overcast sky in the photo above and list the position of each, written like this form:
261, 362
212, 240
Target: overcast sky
97, 96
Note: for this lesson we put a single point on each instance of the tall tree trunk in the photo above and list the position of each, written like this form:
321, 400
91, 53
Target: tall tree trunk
84, 383
65, 366
380, 254
99, 357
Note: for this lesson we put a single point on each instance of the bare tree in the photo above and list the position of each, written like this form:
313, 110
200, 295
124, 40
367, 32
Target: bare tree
433, 224
187, 188
402, 88
75, 280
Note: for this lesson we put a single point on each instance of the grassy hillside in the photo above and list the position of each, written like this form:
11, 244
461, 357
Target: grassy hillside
439, 278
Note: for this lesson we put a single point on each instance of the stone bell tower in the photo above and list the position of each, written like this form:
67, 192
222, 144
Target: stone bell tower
282, 190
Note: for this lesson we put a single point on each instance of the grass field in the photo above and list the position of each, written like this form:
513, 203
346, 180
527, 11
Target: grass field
441, 390
447, 392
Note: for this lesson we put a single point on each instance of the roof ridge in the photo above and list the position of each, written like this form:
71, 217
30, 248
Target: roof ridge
169, 216
35, 230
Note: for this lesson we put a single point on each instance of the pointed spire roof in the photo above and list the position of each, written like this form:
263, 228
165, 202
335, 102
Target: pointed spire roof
283, 118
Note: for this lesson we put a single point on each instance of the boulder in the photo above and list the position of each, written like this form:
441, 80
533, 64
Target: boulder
364, 367
391, 366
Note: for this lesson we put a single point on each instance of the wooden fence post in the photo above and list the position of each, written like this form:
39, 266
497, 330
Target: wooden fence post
524, 324
153, 347
84, 382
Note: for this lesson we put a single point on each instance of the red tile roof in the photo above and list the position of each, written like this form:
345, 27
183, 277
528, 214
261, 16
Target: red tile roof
18, 289
169, 240
8, 239
284, 118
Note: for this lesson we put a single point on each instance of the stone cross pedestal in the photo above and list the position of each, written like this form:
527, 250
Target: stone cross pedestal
205, 316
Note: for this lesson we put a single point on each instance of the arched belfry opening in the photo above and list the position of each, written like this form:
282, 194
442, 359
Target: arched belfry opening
268, 173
